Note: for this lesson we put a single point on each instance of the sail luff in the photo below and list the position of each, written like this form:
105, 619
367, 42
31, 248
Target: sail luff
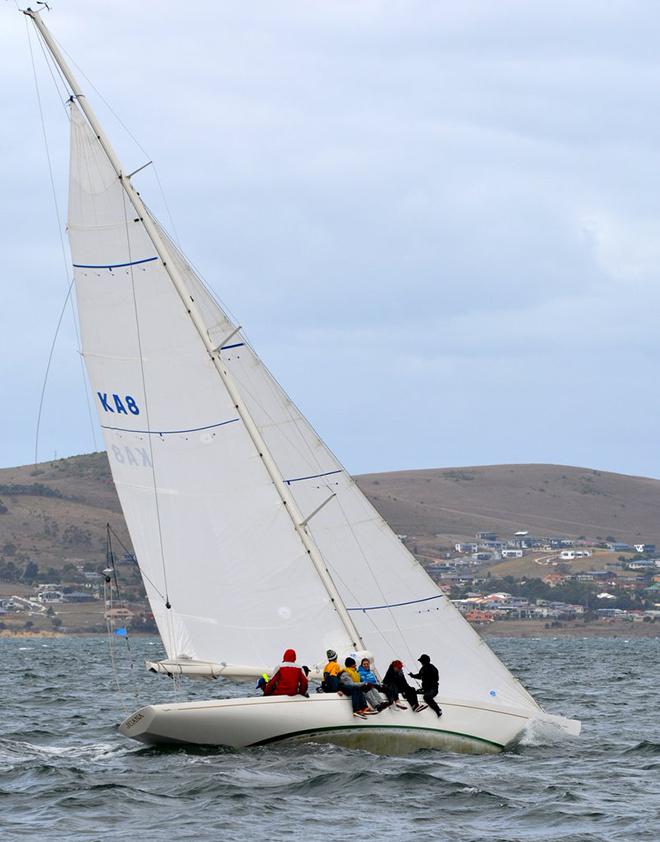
288, 501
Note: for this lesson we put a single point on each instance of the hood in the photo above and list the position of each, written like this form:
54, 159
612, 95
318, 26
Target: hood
289, 656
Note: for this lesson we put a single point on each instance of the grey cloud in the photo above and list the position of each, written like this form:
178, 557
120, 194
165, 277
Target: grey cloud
448, 211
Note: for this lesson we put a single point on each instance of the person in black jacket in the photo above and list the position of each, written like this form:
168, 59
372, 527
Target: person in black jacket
428, 675
394, 683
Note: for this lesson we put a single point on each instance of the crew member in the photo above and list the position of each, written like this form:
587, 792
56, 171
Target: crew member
331, 670
350, 684
395, 682
289, 678
428, 675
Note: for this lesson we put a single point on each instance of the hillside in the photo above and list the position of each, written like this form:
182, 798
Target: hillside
547, 500
56, 512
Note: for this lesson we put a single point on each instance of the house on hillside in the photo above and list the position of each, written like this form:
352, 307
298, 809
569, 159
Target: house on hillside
518, 553
119, 614
486, 536
571, 555
46, 597
630, 583
644, 564
556, 610
477, 615
644, 548
596, 576
12, 606
439, 569
466, 548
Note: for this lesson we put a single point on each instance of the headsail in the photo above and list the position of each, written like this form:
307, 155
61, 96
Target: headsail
398, 610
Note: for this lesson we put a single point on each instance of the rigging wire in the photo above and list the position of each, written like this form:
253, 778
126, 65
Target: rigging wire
64, 260
147, 418
46, 373
142, 573
109, 621
107, 599
110, 560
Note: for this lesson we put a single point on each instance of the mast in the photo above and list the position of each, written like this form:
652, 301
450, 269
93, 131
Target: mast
299, 521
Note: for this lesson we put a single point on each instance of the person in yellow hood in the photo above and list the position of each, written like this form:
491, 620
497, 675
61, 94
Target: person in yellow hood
350, 684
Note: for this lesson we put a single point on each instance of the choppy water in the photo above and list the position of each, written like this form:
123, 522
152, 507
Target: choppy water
65, 774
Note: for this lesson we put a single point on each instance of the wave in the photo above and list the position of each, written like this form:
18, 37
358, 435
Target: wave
23, 750
645, 747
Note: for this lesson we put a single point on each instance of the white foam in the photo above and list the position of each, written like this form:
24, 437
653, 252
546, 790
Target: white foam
547, 731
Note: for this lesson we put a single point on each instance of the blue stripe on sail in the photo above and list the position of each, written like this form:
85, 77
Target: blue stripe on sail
169, 432
113, 265
237, 345
313, 476
395, 604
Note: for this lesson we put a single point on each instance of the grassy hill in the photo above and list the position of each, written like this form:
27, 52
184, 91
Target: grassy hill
547, 500
55, 513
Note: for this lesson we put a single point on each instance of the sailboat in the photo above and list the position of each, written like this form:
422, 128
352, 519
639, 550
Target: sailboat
250, 535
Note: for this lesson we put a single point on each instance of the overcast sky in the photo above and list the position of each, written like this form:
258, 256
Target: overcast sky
438, 222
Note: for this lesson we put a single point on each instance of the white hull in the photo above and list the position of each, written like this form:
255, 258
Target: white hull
238, 723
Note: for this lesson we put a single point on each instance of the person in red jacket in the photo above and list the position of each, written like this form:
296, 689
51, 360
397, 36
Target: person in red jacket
289, 679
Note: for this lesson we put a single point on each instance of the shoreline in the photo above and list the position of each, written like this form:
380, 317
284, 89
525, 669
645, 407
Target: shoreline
499, 628
568, 628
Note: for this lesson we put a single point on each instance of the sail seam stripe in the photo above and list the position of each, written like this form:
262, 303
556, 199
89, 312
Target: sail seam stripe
169, 432
236, 345
113, 265
312, 476
395, 604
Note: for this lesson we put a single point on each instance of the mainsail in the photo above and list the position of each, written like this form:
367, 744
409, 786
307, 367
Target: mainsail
210, 533
227, 575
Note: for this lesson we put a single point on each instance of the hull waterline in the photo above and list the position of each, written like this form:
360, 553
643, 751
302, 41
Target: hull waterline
239, 723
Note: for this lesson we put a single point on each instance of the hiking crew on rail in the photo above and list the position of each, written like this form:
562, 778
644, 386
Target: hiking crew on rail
368, 695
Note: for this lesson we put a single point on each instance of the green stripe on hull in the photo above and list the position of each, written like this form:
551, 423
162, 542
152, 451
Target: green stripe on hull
365, 731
